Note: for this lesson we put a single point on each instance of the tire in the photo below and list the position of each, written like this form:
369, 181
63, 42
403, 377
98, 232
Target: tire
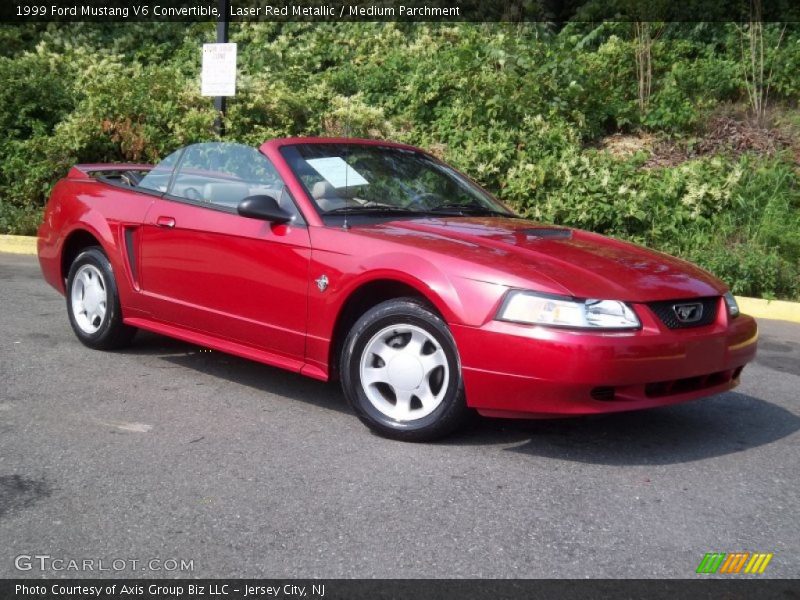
93, 302
401, 372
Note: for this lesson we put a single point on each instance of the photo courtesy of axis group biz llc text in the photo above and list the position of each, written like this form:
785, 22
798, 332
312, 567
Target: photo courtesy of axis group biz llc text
446, 300
167, 589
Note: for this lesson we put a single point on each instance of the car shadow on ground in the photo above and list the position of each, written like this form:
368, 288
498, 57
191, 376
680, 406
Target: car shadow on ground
697, 430
716, 426
242, 371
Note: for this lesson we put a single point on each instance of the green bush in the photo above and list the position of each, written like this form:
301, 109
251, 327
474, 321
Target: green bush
756, 245
126, 113
740, 219
36, 94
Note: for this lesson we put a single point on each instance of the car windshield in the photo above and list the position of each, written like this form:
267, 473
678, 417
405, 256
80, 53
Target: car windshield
377, 179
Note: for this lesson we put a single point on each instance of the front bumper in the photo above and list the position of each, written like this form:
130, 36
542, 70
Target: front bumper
523, 371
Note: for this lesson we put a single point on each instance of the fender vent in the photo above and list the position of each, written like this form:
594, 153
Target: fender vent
130, 251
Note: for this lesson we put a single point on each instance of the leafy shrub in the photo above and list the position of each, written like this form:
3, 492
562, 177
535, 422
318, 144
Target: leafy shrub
36, 94
739, 219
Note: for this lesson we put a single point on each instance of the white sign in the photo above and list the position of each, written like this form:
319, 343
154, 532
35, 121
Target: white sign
337, 172
219, 70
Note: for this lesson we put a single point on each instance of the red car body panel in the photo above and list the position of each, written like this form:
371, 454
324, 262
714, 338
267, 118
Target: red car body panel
207, 273
247, 287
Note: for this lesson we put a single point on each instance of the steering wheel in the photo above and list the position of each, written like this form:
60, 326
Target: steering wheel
132, 178
423, 200
192, 194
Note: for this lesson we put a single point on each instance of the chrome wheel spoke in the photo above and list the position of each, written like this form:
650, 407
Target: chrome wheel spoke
374, 375
430, 362
402, 404
416, 343
426, 396
384, 351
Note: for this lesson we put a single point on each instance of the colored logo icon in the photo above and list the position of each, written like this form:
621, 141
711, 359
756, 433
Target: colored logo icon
734, 562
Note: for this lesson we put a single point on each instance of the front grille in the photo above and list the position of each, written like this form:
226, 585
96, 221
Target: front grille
665, 310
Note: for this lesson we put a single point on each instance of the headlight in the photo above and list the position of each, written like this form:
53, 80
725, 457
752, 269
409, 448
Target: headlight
733, 307
560, 311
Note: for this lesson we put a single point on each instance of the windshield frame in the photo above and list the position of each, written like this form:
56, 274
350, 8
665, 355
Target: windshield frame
291, 151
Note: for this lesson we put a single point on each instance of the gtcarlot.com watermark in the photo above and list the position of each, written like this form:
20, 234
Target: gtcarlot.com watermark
46, 564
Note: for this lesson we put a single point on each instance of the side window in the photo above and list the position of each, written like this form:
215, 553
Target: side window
224, 174
158, 178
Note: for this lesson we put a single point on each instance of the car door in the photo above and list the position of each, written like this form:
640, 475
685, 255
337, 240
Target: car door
206, 268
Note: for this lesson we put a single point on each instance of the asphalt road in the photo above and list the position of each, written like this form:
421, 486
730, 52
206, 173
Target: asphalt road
164, 451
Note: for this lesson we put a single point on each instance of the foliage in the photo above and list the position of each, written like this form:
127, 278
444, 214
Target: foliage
738, 218
35, 94
521, 107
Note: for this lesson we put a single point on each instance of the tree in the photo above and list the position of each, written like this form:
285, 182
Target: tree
754, 62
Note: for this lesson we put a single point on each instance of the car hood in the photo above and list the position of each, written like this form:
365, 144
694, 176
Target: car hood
518, 252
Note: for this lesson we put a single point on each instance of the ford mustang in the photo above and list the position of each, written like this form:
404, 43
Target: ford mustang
378, 265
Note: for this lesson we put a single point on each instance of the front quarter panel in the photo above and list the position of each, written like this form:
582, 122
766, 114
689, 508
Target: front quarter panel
349, 260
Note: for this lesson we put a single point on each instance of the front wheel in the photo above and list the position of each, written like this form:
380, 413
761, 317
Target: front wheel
401, 372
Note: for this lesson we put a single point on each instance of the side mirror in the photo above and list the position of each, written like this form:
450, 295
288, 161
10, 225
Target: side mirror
263, 207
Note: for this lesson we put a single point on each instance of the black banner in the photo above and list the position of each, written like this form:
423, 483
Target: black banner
401, 10
397, 589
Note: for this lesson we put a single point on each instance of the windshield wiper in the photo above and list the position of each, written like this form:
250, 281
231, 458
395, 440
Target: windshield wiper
467, 209
370, 209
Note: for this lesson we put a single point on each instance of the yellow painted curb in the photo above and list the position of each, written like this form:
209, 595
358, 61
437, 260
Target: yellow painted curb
18, 244
770, 309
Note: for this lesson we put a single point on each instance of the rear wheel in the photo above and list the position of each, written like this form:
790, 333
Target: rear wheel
93, 302
401, 372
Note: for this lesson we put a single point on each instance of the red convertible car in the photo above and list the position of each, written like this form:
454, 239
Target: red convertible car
377, 264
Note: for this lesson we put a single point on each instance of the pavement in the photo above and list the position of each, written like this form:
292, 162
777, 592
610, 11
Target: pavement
166, 452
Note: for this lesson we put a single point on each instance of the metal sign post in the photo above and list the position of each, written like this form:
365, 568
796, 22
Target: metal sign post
222, 38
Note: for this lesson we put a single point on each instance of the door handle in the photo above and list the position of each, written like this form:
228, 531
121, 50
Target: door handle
167, 222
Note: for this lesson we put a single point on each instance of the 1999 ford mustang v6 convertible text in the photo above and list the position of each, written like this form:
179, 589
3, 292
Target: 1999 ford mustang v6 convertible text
378, 264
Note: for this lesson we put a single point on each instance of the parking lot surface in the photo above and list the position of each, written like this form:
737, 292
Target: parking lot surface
168, 452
